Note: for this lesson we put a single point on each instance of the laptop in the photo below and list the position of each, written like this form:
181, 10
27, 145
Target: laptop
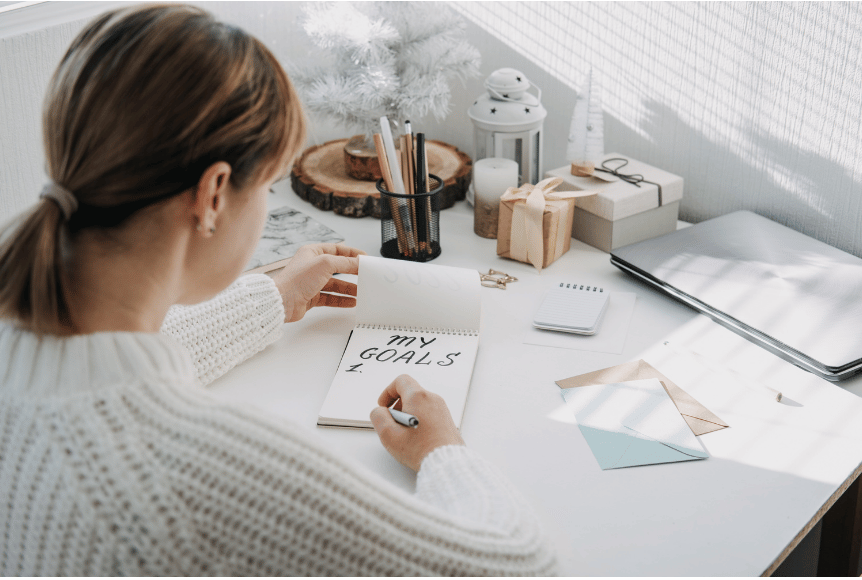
797, 297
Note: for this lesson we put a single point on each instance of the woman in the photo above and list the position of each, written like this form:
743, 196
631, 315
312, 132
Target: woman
164, 130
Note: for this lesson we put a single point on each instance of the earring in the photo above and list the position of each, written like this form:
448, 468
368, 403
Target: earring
212, 230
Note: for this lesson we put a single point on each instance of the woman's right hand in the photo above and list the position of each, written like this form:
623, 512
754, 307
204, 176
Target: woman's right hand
406, 444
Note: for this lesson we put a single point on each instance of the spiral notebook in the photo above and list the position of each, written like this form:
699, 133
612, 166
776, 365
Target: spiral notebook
572, 307
411, 318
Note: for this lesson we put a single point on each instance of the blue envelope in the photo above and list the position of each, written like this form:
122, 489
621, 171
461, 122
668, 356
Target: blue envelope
632, 423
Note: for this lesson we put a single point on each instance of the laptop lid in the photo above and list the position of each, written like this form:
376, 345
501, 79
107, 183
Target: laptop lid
798, 297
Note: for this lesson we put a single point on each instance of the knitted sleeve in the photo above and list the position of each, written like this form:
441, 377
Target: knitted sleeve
268, 498
222, 332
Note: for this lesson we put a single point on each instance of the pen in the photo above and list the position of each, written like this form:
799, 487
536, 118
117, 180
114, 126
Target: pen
410, 181
422, 187
403, 418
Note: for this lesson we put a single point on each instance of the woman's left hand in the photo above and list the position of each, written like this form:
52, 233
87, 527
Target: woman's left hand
306, 281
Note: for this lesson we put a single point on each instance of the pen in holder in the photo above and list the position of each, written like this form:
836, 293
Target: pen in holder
410, 224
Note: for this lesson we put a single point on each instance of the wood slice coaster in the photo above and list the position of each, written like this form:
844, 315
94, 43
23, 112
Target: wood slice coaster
320, 177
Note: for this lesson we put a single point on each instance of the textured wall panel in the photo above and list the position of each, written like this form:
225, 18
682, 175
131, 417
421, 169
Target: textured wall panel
757, 105
28, 60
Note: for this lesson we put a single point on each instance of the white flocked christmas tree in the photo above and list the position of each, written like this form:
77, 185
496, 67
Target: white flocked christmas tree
384, 58
586, 133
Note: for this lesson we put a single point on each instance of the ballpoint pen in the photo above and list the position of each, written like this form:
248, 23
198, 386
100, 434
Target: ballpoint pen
403, 418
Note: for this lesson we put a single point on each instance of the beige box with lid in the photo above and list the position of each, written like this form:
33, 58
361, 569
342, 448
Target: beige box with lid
624, 213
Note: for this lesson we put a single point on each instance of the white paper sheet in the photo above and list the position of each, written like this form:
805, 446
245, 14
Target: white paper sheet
632, 423
610, 337
441, 363
401, 293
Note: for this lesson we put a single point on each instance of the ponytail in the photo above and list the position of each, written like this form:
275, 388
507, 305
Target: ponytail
31, 270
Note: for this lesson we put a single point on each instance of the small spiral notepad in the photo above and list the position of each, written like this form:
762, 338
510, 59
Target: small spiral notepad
572, 307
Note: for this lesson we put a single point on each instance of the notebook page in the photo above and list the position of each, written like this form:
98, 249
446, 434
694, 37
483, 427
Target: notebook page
442, 363
410, 294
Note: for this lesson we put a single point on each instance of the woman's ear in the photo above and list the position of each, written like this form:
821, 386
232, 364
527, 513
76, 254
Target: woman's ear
210, 197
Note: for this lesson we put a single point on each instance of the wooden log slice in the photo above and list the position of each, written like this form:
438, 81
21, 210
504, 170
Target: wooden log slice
361, 163
320, 177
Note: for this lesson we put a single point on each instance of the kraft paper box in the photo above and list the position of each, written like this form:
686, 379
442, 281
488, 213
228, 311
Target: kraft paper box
623, 213
556, 229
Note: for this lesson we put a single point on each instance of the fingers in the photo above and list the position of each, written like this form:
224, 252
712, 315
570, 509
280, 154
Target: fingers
334, 301
337, 250
381, 419
348, 251
340, 287
402, 387
341, 264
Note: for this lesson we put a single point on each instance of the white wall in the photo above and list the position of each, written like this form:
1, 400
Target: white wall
28, 59
757, 105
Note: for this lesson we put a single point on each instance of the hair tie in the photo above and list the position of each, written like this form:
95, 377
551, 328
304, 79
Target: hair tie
62, 197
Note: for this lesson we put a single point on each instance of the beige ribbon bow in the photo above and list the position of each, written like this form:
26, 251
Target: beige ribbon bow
526, 234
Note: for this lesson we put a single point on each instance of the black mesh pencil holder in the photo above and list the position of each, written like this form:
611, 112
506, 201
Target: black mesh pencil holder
410, 224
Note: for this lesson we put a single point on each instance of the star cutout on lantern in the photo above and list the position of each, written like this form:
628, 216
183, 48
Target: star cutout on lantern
518, 78
494, 111
527, 109
506, 96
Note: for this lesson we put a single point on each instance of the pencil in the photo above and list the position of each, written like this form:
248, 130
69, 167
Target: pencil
408, 186
412, 174
395, 172
383, 160
428, 187
425, 185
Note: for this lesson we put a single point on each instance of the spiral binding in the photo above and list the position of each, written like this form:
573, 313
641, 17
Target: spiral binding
582, 287
422, 329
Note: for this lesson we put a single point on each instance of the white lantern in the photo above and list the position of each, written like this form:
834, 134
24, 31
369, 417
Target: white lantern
508, 123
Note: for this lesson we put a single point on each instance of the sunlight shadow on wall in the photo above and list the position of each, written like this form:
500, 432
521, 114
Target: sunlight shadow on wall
757, 105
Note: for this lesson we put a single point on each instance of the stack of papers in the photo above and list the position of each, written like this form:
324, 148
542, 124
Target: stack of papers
632, 423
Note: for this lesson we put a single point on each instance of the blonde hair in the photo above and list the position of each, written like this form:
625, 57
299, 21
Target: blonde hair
145, 99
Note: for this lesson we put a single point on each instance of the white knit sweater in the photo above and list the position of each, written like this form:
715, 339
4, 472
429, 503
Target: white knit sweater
115, 461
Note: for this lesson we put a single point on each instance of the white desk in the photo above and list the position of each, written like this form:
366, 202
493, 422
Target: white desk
737, 513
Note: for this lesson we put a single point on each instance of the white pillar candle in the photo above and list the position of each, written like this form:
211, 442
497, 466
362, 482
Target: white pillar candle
491, 178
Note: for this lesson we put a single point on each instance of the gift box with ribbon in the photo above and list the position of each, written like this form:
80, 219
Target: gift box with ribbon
639, 202
536, 222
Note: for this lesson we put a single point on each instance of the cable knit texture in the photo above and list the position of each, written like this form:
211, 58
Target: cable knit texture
238, 323
115, 461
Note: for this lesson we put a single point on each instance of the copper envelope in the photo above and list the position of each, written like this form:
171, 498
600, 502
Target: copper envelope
700, 419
